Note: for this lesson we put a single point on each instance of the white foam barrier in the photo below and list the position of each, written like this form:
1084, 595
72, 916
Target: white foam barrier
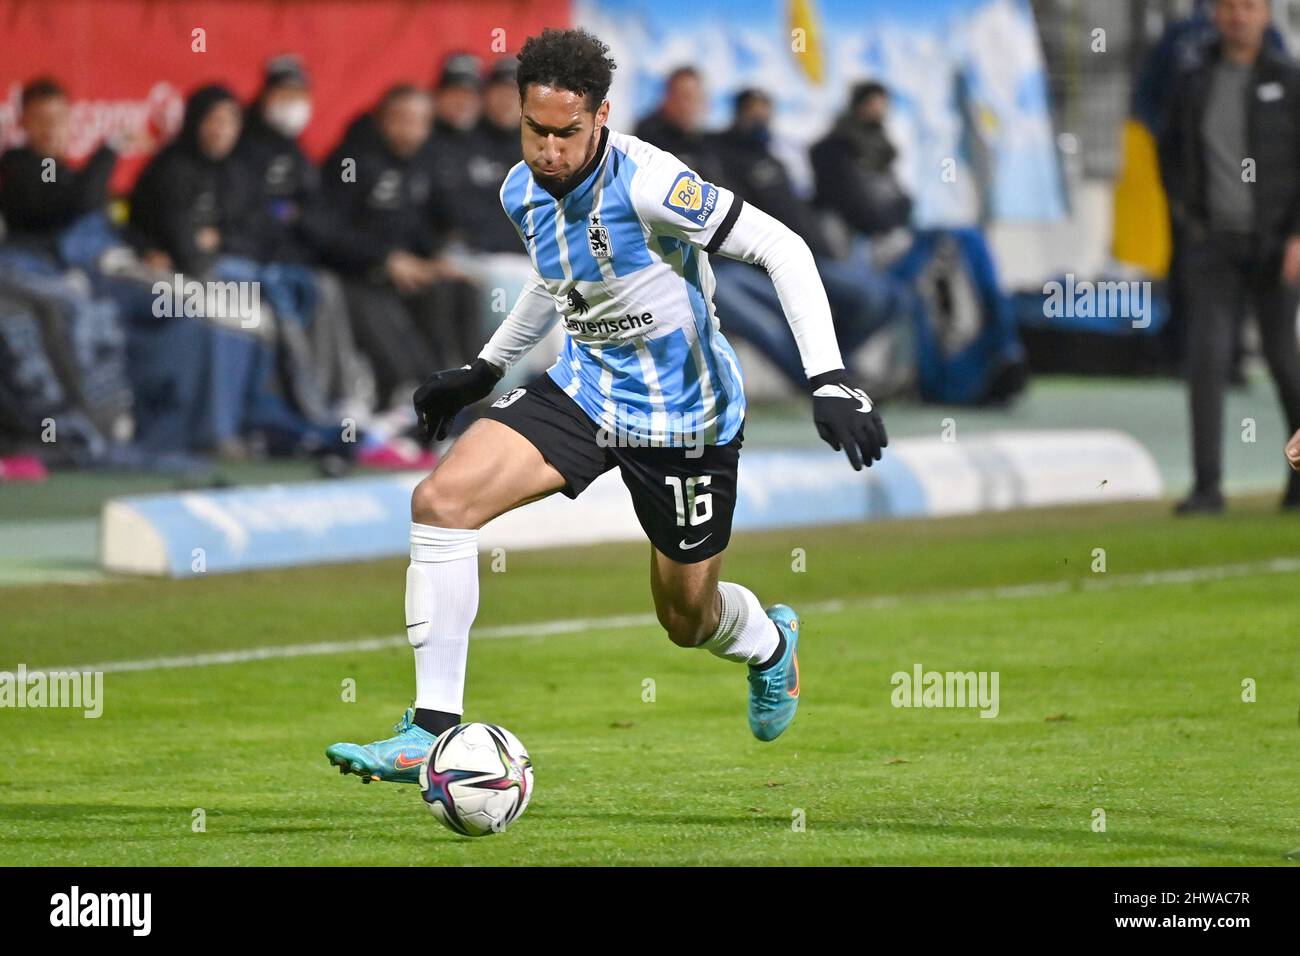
186, 534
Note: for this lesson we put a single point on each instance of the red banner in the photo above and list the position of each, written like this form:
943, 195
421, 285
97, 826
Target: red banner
128, 64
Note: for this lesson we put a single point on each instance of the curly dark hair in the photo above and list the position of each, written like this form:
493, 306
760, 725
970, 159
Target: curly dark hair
572, 60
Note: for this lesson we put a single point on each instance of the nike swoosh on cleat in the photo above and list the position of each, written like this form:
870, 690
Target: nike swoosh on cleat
686, 547
401, 763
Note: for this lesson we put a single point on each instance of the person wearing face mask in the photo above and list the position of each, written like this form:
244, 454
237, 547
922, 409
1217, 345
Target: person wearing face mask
326, 368
196, 211
287, 181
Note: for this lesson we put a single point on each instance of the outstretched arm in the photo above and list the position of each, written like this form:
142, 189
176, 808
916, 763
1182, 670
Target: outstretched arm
761, 239
674, 201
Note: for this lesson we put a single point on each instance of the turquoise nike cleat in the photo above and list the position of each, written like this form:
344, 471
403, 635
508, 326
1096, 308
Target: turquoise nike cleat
395, 760
774, 692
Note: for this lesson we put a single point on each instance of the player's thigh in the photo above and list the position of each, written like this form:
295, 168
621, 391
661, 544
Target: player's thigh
490, 470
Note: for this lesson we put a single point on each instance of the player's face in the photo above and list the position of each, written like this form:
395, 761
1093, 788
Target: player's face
558, 133
46, 124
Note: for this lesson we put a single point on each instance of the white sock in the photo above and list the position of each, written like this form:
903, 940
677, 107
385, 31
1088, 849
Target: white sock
441, 601
745, 634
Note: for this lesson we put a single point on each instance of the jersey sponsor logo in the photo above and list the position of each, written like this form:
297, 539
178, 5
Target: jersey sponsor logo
691, 199
606, 326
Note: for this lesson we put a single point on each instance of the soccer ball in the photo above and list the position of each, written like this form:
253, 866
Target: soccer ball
478, 779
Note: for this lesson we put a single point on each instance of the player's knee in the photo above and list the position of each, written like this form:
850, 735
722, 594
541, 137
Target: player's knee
436, 501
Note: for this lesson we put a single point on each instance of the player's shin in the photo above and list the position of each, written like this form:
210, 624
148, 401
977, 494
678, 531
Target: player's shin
745, 633
441, 603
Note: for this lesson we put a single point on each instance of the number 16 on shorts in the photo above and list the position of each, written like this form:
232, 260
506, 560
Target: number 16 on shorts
698, 506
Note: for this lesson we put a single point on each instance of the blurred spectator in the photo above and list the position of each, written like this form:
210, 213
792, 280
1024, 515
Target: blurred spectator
862, 300
750, 169
458, 95
676, 125
853, 167
287, 182
213, 380
1183, 41
193, 203
326, 370
41, 194
1228, 158
481, 161
389, 229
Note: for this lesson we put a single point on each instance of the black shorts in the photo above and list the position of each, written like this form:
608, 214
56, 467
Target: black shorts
684, 496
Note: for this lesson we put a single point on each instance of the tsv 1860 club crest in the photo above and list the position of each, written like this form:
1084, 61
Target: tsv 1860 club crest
598, 240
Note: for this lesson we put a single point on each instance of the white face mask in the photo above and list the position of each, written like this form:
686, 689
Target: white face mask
289, 119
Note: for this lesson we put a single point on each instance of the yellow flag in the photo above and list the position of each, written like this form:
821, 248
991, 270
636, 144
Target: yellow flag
1141, 231
805, 38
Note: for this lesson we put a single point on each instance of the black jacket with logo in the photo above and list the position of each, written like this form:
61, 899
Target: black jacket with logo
288, 187
469, 169
391, 206
1272, 140
182, 191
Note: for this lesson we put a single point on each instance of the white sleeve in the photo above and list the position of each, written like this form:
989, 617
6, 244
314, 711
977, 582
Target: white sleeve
672, 200
761, 239
532, 317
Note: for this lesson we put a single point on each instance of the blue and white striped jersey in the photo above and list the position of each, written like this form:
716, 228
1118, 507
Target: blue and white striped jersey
624, 258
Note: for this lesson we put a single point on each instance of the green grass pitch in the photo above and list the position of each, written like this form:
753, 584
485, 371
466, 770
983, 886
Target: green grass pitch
1120, 691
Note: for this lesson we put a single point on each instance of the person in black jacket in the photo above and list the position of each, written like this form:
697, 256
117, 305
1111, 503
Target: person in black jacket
287, 182
861, 301
193, 202
853, 167
471, 171
41, 194
677, 124
388, 229
1228, 159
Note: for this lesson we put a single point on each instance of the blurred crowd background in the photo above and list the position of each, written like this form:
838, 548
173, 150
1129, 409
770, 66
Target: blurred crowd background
950, 165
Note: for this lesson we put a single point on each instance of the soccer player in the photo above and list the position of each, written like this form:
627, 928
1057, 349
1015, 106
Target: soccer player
620, 234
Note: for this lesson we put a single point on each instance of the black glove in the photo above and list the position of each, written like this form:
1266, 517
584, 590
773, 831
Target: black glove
845, 418
445, 393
